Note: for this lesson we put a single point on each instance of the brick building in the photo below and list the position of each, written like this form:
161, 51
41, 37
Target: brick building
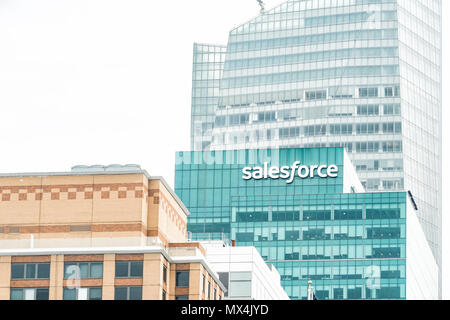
98, 233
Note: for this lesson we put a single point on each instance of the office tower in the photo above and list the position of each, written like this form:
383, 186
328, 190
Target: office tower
306, 213
362, 74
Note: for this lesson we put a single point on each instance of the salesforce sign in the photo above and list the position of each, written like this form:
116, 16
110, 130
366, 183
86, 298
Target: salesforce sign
289, 173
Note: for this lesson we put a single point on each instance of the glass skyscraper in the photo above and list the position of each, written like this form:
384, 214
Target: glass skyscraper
312, 222
362, 74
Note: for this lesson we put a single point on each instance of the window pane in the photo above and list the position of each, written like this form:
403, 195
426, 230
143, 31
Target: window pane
182, 298
69, 270
182, 279
95, 294
44, 271
42, 294
121, 269
83, 294
240, 288
31, 271
136, 269
84, 270
70, 294
97, 270
165, 274
120, 293
17, 271
135, 293
16, 294
29, 294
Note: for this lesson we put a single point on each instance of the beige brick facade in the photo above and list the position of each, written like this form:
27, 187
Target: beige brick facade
86, 207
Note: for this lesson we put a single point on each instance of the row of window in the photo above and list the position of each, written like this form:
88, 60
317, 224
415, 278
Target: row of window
88, 293
90, 270
271, 116
294, 114
320, 215
356, 293
309, 75
350, 18
312, 39
360, 233
330, 55
85, 293
341, 129
76, 270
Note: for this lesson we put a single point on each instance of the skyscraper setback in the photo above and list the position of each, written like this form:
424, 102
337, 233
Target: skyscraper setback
362, 74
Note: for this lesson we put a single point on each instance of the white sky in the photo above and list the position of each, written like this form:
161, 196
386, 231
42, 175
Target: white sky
109, 81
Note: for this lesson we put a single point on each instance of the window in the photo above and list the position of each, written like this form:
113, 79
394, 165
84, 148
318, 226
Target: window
164, 274
240, 285
388, 92
367, 147
374, 214
286, 216
129, 269
368, 92
128, 293
292, 235
316, 215
215, 294
341, 129
29, 293
238, 119
347, 214
316, 95
368, 110
355, 293
392, 146
392, 127
94, 293
388, 293
220, 121
25, 271
245, 237
319, 130
203, 283
267, 116
182, 279
83, 270
252, 216
367, 128
391, 109
181, 297
286, 133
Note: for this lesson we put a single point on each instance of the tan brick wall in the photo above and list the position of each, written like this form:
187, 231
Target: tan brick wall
89, 206
5, 277
164, 213
153, 277
109, 270
195, 272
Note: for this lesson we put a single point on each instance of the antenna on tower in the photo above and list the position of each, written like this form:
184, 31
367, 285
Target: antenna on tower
261, 4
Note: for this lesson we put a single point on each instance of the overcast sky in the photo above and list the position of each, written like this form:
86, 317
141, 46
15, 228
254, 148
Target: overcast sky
109, 81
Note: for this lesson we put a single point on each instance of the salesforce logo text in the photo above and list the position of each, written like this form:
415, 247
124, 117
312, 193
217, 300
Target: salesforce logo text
289, 173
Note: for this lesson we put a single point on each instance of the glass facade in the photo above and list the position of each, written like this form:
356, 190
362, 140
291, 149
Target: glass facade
351, 245
338, 241
207, 181
361, 74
